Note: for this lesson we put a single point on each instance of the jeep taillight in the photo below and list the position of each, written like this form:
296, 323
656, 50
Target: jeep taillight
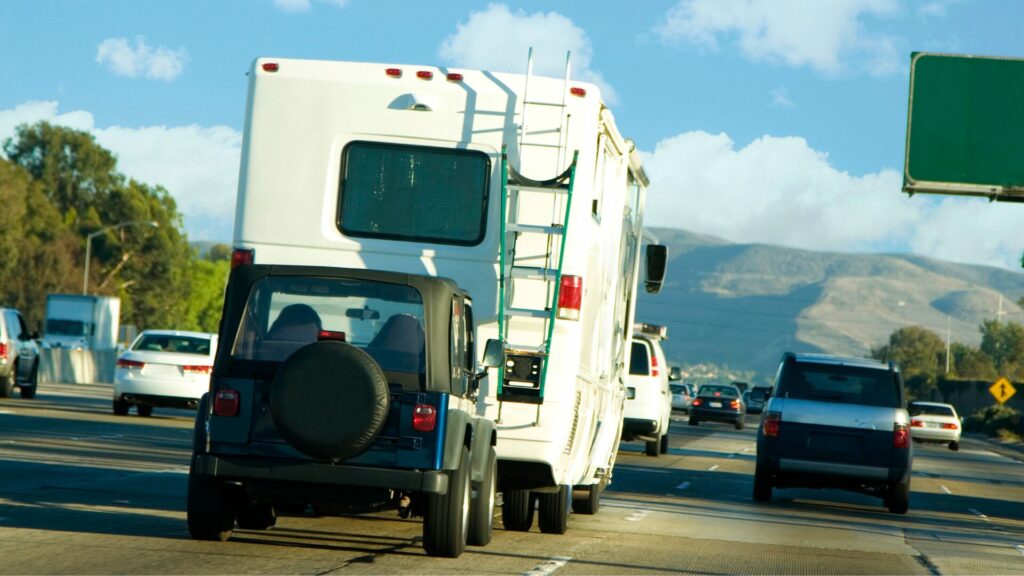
900, 436
772, 424
226, 402
424, 418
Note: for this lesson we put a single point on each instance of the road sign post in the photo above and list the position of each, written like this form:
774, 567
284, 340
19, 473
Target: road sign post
1002, 390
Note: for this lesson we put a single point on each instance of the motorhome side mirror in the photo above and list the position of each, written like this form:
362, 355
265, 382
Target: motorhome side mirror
675, 374
654, 272
492, 353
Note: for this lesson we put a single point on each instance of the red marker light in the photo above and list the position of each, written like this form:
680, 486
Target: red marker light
577, 91
425, 74
570, 297
270, 66
454, 77
394, 72
331, 335
241, 256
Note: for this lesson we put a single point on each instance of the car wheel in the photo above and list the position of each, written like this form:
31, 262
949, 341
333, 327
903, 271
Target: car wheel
739, 424
7, 384
121, 407
517, 510
898, 498
144, 409
762, 485
693, 421
28, 389
209, 511
663, 448
553, 516
255, 515
332, 417
481, 514
446, 518
589, 504
954, 445
651, 447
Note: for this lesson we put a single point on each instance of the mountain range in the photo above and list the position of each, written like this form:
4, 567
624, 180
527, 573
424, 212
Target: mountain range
743, 305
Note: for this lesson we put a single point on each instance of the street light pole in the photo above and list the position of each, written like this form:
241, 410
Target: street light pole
88, 245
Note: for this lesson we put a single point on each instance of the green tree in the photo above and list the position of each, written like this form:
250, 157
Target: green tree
972, 363
920, 354
1003, 342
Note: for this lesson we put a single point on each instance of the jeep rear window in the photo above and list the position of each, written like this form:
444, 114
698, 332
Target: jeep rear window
838, 383
413, 193
639, 363
284, 314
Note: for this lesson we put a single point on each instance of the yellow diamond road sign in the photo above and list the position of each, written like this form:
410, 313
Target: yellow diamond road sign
1002, 390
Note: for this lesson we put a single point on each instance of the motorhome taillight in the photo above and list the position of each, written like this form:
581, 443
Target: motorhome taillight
772, 424
570, 297
454, 77
900, 436
240, 256
330, 335
394, 72
424, 418
226, 402
424, 74
654, 365
124, 363
270, 67
197, 369
577, 91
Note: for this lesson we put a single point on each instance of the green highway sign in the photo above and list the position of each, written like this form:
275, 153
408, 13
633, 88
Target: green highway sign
965, 126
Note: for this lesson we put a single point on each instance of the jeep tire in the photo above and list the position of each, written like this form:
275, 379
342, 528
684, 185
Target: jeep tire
209, 507
762, 485
481, 512
446, 517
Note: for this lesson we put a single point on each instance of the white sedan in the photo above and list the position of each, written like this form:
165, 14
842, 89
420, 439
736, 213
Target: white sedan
935, 422
166, 368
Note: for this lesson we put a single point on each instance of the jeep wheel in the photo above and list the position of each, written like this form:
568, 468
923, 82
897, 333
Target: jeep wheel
446, 517
762, 485
554, 509
651, 447
589, 504
481, 513
898, 499
330, 400
209, 510
121, 407
663, 448
255, 515
517, 510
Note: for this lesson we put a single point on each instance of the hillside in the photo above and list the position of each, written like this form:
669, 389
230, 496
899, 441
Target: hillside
742, 305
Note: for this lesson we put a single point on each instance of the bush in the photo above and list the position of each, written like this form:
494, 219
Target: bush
992, 419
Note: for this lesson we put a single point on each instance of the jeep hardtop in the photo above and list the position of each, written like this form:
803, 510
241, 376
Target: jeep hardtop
347, 390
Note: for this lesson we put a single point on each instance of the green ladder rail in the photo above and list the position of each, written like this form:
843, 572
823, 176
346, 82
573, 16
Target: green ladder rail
525, 363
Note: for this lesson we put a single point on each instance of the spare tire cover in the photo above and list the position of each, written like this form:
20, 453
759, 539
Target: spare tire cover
329, 400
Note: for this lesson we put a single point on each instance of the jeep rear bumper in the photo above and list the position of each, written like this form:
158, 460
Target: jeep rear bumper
242, 469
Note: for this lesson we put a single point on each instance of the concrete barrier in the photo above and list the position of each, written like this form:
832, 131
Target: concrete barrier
76, 366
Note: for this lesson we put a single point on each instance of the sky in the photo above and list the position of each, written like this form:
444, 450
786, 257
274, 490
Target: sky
774, 121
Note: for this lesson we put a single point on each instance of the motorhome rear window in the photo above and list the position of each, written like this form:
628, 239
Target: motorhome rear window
413, 193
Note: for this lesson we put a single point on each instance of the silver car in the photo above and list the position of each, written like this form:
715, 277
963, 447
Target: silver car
19, 355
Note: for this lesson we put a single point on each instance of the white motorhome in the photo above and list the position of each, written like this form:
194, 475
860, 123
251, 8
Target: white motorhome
518, 187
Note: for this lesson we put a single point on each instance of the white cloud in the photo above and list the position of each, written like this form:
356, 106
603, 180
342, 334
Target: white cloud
123, 59
781, 99
781, 191
497, 39
305, 5
814, 33
934, 8
197, 165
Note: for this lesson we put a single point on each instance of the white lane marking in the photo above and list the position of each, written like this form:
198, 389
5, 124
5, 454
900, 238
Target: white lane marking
122, 501
6, 412
1019, 547
173, 471
978, 514
733, 455
549, 566
713, 468
946, 490
7, 442
683, 486
745, 450
637, 516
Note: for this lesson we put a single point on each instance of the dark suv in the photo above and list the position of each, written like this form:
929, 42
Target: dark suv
19, 355
347, 390
836, 422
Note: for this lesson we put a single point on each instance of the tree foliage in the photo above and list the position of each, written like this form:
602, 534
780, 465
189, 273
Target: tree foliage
1003, 342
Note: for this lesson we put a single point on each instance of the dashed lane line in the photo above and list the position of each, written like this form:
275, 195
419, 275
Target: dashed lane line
1019, 547
548, 566
978, 514
713, 468
946, 490
683, 486
637, 516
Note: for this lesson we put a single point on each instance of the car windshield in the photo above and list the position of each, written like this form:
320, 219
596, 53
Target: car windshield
728, 391
930, 410
839, 383
172, 343
284, 314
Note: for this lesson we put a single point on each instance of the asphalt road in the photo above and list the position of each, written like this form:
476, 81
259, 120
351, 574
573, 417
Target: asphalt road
83, 492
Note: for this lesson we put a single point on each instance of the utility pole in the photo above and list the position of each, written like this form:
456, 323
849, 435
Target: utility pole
947, 343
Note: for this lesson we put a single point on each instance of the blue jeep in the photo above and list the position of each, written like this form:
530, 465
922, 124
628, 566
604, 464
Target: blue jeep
348, 390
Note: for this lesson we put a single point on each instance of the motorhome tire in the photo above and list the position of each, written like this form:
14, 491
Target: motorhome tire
209, 510
553, 517
517, 510
590, 503
446, 517
313, 416
481, 512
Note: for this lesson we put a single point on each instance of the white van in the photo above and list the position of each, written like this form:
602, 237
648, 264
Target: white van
647, 414
532, 203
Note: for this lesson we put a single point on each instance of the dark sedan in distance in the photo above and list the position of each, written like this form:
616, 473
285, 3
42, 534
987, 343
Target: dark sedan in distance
718, 403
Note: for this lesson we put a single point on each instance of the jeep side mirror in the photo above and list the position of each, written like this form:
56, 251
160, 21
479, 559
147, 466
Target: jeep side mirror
654, 271
493, 352
675, 374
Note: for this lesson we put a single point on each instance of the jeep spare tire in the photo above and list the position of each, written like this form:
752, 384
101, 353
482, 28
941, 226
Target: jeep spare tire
329, 400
